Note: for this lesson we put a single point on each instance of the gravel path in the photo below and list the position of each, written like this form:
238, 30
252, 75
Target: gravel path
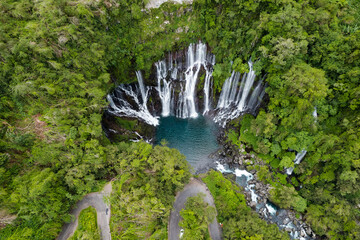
95, 200
157, 3
192, 189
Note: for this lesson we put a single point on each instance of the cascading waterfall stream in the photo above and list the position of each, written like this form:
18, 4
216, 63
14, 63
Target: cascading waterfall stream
299, 156
177, 89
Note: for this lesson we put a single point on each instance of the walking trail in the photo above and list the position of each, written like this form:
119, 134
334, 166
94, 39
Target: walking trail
95, 200
192, 189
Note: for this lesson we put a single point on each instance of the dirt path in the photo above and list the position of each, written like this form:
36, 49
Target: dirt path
157, 3
192, 189
95, 200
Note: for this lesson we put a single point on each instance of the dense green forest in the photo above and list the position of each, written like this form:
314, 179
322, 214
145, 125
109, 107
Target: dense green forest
196, 216
145, 191
59, 59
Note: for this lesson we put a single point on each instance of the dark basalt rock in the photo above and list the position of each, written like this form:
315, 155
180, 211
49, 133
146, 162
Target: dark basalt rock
126, 129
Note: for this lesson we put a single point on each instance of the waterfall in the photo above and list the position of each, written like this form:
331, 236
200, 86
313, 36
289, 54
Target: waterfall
211, 60
247, 87
297, 160
315, 115
165, 91
257, 96
234, 87
120, 106
235, 100
141, 85
196, 57
225, 92
171, 75
177, 87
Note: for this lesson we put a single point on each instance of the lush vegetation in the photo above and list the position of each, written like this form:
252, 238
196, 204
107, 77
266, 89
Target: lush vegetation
143, 195
196, 218
87, 228
56, 63
239, 221
59, 58
310, 52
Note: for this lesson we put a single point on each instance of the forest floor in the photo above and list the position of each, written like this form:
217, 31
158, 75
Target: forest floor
192, 189
97, 201
157, 3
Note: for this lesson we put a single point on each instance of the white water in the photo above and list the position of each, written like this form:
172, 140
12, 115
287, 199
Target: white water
163, 88
248, 84
142, 87
207, 83
298, 158
295, 233
235, 100
271, 209
240, 173
123, 108
177, 88
228, 90
194, 61
315, 115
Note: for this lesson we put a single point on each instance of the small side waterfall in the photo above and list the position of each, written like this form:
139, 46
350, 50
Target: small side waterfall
298, 158
179, 78
315, 115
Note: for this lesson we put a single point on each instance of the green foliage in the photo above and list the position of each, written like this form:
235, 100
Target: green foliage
196, 217
310, 52
58, 60
149, 179
87, 228
246, 135
287, 197
239, 222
